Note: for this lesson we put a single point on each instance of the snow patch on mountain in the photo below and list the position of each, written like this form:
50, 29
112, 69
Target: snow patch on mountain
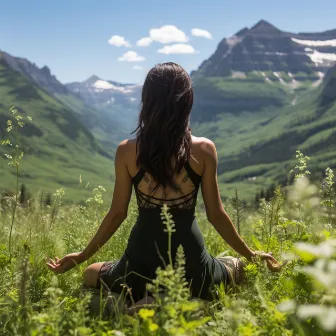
314, 43
320, 58
317, 56
101, 84
320, 80
294, 83
104, 85
265, 77
277, 75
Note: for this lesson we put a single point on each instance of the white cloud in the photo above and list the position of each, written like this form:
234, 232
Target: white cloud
201, 33
131, 56
118, 41
168, 34
138, 67
179, 48
144, 42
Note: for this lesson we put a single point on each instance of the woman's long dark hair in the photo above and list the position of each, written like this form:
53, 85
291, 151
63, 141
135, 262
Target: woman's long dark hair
163, 133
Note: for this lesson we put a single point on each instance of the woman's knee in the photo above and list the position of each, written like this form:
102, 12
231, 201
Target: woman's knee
91, 274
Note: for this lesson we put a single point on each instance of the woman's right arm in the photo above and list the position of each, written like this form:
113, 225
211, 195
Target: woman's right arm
110, 224
214, 208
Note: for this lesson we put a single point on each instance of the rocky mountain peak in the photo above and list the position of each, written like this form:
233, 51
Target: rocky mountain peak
46, 70
242, 32
40, 76
91, 80
265, 49
263, 27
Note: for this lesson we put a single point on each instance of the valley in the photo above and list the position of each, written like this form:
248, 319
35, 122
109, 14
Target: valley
263, 94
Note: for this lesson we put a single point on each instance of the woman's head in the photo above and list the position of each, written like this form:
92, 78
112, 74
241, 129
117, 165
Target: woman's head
163, 133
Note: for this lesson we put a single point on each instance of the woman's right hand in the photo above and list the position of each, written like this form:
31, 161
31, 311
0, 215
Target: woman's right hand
272, 264
66, 263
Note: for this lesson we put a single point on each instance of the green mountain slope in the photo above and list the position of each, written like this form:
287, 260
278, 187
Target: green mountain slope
217, 95
256, 149
105, 126
58, 147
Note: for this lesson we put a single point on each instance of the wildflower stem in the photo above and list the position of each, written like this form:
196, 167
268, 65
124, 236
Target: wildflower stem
16, 198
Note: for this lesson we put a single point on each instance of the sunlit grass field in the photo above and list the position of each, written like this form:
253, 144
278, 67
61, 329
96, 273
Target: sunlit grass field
297, 224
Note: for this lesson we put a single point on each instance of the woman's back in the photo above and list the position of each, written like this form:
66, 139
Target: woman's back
149, 234
151, 194
148, 243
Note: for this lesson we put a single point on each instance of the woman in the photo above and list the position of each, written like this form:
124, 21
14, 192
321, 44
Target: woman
166, 165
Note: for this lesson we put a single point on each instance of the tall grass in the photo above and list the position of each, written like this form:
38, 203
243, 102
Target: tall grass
300, 299
297, 224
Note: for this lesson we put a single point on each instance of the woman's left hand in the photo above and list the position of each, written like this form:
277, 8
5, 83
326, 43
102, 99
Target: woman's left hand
65, 264
272, 264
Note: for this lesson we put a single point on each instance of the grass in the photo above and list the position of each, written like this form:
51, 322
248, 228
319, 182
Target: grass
294, 301
300, 300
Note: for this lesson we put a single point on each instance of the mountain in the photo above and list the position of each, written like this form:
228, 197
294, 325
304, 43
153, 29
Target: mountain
120, 100
266, 48
261, 67
103, 124
42, 77
256, 152
58, 146
96, 91
262, 95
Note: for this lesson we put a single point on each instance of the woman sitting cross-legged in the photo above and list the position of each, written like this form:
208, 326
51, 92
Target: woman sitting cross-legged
164, 164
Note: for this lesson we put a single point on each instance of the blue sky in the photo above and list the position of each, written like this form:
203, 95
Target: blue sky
71, 36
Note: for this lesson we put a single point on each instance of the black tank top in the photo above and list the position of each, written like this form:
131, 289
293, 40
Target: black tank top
147, 247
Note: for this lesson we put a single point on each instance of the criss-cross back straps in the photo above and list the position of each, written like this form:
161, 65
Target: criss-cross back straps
138, 177
186, 201
194, 177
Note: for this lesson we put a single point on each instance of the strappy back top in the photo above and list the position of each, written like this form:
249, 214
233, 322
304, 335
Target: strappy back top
148, 244
186, 197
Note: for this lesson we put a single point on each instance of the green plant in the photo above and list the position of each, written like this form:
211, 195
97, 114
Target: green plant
328, 193
299, 300
14, 159
301, 169
177, 315
238, 210
58, 195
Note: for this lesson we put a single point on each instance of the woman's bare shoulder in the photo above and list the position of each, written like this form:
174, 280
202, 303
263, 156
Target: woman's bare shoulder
126, 152
127, 149
203, 146
127, 145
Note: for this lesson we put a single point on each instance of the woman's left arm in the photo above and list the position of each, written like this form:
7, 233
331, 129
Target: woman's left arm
112, 221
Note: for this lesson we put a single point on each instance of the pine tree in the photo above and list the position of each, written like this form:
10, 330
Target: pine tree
262, 194
238, 209
257, 199
23, 194
48, 199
